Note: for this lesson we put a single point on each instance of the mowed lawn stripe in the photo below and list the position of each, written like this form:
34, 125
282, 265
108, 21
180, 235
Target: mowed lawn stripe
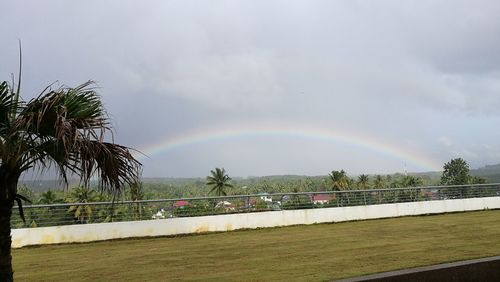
299, 253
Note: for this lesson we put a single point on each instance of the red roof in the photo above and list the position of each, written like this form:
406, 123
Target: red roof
179, 204
321, 197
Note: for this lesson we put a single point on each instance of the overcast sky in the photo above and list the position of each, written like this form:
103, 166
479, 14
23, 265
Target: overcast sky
400, 83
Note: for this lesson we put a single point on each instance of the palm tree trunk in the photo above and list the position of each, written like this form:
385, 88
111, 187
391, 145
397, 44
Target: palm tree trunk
6, 273
8, 190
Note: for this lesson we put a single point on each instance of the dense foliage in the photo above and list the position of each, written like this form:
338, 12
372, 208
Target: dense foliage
456, 172
168, 188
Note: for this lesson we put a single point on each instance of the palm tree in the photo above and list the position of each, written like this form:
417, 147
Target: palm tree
82, 213
389, 181
363, 181
219, 181
65, 129
379, 182
49, 197
411, 181
339, 179
340, 182
136, 193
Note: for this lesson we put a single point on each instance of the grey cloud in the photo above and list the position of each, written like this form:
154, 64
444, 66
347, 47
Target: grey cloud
403, 72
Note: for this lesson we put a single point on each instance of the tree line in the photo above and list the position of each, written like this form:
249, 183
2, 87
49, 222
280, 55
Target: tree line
455, 172
219, 183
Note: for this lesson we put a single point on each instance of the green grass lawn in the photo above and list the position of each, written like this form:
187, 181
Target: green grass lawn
308, 253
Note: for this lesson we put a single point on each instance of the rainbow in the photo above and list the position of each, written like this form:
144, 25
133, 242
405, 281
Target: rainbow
242, 131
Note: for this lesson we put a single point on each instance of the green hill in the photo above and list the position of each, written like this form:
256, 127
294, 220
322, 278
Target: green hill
490, 172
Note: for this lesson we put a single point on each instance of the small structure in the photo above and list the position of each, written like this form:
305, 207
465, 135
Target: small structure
432, 195
227, 206
266, 198
159, 215
180, 204
320, 199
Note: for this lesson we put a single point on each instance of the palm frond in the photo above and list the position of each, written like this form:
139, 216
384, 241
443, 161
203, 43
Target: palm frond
7, 104
64, 114
113, 163
66, 128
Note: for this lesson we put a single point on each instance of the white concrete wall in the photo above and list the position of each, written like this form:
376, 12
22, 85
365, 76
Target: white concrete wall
172, 226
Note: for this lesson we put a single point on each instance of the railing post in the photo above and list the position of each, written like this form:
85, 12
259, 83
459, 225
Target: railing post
364, 197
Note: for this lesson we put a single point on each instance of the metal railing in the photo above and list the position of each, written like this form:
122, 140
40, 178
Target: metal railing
99, 212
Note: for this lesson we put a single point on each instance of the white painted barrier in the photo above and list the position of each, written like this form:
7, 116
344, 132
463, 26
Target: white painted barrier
185, 225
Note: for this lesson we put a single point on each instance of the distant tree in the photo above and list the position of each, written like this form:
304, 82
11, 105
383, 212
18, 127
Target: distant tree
136, 193
219, 181
363, 181
339, 179
82, 213
412, 181
307, 184
350, 182
49, 197
389, 181
477, 180
26, 192
340, 182
456, 172
379, 182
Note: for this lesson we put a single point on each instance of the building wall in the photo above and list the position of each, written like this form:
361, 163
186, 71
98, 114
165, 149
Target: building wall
185, 225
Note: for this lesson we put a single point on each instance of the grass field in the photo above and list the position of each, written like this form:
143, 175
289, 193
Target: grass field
307, 253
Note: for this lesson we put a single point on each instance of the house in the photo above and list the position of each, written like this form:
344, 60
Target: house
180, 204
159, 215
320, 199
266, 198
227, 206
432, 195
